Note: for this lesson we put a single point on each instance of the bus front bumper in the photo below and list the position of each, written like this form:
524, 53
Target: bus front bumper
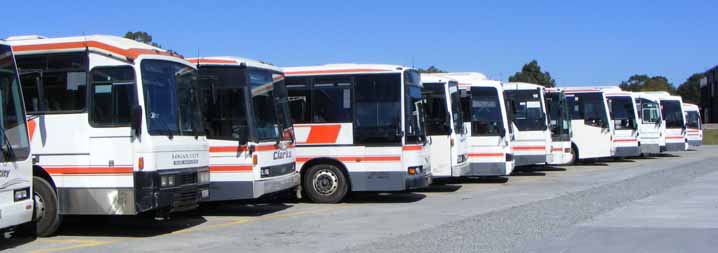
486, 169
183, 196
242, 190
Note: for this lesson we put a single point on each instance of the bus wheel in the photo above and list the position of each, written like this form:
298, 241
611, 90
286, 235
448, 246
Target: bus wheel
574, 155
47, 216
325, 183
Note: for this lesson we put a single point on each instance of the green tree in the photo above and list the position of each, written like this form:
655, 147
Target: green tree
431, 69
690, 89
647, 83
143, 37
531, 73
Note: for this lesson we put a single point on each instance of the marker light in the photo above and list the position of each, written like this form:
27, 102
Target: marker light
254, 159
412, 171
141, 163
452, 142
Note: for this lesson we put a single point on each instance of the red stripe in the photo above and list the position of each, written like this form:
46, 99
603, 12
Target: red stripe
357, 158
529, 148
674, 137
557, 149
132, 53
411, 148
334, 71
209, 61
87, 170
230, 168
238, 149
486, 154
625, 140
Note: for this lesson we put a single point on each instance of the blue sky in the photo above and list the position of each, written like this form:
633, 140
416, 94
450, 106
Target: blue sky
579, 42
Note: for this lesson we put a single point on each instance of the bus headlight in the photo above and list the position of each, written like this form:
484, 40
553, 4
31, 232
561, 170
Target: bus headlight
203, 177
167, 181
21, 194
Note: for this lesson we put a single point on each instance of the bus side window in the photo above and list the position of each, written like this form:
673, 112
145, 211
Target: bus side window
54, 83
378, 109
298, 90
112, 96
331, 100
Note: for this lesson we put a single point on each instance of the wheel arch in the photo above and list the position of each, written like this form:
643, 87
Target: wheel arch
38, 171
326, 160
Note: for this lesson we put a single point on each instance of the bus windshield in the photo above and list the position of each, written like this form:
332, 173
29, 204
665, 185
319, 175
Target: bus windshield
456, 109
622, 112
170, 98
486, 119
14, 139
263, 104
437, 116
693, 120
528, 114
650, 112
558, 113
671, 110
414, 107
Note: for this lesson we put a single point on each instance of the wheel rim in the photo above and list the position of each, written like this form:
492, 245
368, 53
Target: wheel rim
325, 182
39, 207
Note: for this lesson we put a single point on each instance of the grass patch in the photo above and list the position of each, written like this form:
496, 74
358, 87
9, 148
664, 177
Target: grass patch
710, 136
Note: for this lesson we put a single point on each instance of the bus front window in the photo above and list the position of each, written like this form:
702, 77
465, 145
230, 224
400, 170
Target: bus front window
170, 98
649, 112
622, 112
14, 140
414, 108
223, 103
672, 113
265, 116
486, 118
693, 120
528, 114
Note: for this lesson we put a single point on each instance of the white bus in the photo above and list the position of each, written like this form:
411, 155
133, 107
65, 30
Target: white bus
114, 126
16, 202
622, 110
532, 141
445, 127
651, 127
590, 123
694, 125
246, 119
674, 119
486, 119
559, 117
359, 127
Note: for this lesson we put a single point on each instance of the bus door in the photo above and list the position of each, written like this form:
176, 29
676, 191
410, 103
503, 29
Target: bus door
591, 126
438, 127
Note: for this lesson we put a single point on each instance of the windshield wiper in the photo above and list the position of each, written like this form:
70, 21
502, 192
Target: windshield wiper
154, 115
9, 153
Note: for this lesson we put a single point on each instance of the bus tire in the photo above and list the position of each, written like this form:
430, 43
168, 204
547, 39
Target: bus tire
47, 211
325, 183
574, 154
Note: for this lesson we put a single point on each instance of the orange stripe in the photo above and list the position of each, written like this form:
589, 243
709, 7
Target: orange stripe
557, 149
237, 149
486, 154
88, 170
323, 134
529, 148
411, 148
625, 140
230, 168
357, 158
31, 128
132, 53
209, 61
335, 71
675, 137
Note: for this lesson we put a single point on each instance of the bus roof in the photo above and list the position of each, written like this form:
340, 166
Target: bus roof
663, 95
232, 61
690, 107
580, 89
435, 78
343, 69
106, 44
468, 79
467, 75
521, 86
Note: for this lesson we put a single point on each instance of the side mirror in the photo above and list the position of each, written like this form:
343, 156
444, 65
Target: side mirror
136, 120
502, 131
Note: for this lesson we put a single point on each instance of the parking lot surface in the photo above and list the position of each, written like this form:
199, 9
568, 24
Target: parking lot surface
657, 204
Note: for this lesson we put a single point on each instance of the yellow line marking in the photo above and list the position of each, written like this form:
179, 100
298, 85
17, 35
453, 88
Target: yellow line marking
78, 244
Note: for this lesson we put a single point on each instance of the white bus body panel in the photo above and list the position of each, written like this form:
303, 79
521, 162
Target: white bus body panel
531, 147
675, 138
650, 134
591, 141
626, 141
694, 135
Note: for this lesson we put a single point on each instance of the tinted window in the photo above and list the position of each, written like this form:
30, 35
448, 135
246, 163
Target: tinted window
672, 113
693, 120
112, 96
486, 117
299, 99
11, 111
378, 109
650, 112
224, 103
170, 98
331, 100
437, 113
528, 111
558, 113
265, 112
414, 107
590, 107
54, 83
456, 110
622, 112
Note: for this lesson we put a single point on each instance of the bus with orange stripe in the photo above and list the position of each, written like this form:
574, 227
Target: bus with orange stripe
359, 127
114, 125
674, 118
622, 109
487, 123
532, 141
16, 179
694, 125
559, 119
246, 119
591, 124
651, 127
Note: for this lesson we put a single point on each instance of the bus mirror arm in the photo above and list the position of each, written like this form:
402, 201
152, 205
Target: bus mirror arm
136, 120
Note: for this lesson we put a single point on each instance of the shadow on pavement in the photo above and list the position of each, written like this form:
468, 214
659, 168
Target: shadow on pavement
384, 198
548, 168
229, 208
440, 187
667, 155
621, 160
126, 226
15, 241
527, 173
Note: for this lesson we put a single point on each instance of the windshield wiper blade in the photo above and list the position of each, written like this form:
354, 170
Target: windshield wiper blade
9, 153
154, 115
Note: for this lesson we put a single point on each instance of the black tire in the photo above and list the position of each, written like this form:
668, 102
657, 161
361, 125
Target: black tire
46, 206
574, 155
325, 183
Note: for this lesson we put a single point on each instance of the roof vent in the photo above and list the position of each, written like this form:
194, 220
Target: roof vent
25, 37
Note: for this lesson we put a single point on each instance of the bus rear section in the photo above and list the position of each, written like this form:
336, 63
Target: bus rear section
532, 138
560, 126
650, 124
592, 130
694, 125
622, 110
674, 119
359, 127
114, 125
486, 120
16, 181
246, 117
445, 127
